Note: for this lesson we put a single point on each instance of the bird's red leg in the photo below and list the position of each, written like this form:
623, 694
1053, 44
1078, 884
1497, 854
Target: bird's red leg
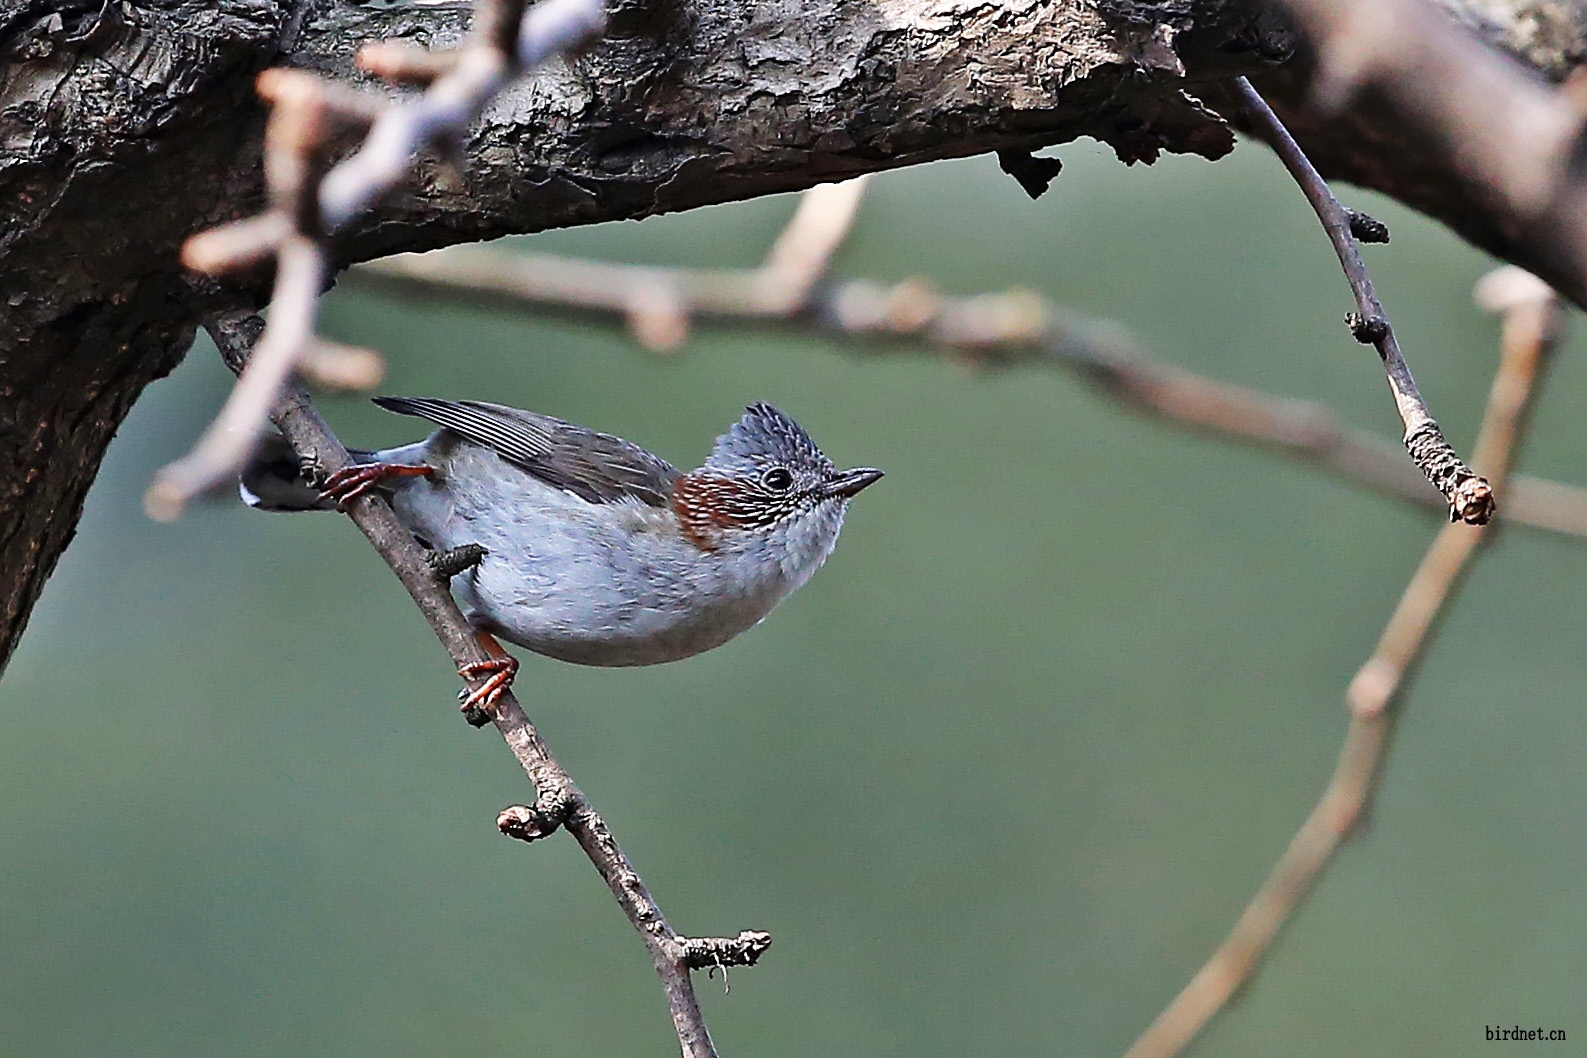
351, 482
501, 667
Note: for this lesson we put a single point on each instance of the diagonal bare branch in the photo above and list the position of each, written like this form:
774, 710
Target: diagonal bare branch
1470, 498
1532, 325
558, 800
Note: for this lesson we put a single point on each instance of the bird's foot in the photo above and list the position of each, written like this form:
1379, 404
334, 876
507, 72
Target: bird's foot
454, 560
348, 483
481, 701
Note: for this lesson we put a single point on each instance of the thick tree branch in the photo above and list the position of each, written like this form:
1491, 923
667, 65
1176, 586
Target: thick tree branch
687, 106
558, 801
1531, 333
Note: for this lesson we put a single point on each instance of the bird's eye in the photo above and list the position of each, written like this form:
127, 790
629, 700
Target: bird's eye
777, 479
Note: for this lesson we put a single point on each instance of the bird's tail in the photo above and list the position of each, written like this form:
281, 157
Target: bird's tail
274, 481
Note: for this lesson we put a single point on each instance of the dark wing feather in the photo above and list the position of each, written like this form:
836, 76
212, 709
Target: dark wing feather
594, 466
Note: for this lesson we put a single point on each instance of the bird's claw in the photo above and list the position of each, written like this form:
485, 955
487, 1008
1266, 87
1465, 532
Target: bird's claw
499, 673
349, 483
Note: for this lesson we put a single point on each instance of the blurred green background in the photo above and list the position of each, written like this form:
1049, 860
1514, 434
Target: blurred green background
997, 780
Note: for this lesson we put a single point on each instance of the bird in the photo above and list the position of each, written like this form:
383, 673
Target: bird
584, 547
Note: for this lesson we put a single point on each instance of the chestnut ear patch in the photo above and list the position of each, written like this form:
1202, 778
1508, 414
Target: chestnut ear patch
706, 505
703, 508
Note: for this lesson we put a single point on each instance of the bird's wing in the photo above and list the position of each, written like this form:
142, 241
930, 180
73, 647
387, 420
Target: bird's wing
596, 467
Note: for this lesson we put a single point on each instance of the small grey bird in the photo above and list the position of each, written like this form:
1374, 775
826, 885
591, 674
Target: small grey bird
584, 547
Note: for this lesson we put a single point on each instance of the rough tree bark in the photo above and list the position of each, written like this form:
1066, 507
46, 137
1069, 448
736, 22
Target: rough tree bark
126, 127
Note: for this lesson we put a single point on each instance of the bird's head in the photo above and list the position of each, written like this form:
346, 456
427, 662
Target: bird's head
767, 488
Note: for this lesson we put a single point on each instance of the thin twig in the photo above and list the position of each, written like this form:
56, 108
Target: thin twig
1006, 329
310, 200
558, 801
1470, 497
1531, 333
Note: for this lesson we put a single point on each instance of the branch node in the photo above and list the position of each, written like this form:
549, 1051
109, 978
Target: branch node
310, 468
1469, 495
911, 306
319, 99
1365, 227
1368, 330
700, 953
1473, 502
1373, 688
1508, 287
454, 560
533, 822
658, 317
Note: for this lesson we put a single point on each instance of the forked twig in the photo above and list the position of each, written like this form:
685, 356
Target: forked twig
310, 199
1532, 324
1005, 329
1470, 497
300, 275
803, 252
660, 303
558, 801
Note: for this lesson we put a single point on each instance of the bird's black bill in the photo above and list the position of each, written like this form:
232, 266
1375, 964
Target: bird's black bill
851, 482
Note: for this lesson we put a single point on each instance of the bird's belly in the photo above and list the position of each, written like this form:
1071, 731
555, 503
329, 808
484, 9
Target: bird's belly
595, 585
599, 623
